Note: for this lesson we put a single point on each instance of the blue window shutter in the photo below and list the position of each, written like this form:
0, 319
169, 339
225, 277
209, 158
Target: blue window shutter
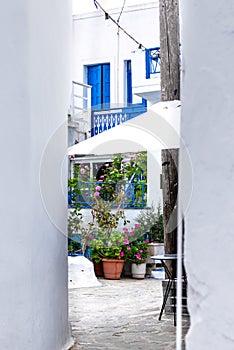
106, 83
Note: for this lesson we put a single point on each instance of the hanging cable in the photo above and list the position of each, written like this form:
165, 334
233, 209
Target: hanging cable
107, 15
121, 11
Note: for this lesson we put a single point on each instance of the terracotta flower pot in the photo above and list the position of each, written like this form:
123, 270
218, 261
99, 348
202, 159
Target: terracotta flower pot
98, 268
112, 268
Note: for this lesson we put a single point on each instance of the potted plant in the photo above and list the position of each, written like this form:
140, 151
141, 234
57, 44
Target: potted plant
151, 222
108, 247
97, 261
138, 254
107, 244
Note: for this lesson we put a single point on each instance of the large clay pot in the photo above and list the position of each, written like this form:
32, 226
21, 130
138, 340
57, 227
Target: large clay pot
138, 271
112, 268
127, 269
98, 268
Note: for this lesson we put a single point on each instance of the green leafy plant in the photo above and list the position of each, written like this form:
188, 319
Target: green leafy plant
108, 240
76, 225
109, 246
151, 222
105, 216
122, 170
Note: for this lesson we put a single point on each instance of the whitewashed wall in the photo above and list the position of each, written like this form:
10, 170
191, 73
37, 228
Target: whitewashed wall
35, 96
150, 89
208, 129
95, 41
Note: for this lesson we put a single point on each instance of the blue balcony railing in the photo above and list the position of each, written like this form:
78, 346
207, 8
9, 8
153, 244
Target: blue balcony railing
152, 61
135, 194
102, 120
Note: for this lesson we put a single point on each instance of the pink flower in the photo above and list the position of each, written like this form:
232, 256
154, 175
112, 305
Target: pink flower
102, 176
107, 164
82, 171
138, 256
128, 248
132, 233
146, 241
124, 160
125, 229
96, 194
87, 167
100, 180
121, 254
141, 251
137, 225
81, 163
98, 188
126, 241
109, 244
91, 237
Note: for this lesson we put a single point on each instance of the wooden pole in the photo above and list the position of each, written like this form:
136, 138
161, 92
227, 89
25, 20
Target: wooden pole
170, 90
169, 50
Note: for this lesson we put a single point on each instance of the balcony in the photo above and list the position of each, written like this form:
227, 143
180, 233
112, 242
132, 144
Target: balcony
102, 120
135, 194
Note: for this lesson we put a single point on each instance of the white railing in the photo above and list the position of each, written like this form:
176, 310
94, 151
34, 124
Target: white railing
80, 98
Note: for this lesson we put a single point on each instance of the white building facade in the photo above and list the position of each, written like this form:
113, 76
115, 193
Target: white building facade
115, 63
98, 41
119, 75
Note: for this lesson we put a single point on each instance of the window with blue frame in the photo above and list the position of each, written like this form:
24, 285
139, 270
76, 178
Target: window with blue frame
128, 87
152, 60
129, 81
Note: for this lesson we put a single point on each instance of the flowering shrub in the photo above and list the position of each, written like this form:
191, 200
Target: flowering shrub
101, 234
111, 243
137, 251
122, 171
126, 173
81, 174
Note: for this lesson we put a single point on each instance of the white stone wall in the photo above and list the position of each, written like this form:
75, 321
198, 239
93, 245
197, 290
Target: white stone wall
207, 129
35, 96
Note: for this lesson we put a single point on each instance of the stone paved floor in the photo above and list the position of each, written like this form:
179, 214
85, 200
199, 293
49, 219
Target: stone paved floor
121, 314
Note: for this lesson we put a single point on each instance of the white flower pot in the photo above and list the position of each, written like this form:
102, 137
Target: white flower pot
138, 271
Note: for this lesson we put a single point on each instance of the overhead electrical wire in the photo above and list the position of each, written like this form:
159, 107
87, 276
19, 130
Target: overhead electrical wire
121, 11
108, 16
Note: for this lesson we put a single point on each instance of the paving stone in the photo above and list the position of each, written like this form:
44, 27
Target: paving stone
121, 314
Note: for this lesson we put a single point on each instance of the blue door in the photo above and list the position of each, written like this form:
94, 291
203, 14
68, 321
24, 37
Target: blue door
94, 79
99, 79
